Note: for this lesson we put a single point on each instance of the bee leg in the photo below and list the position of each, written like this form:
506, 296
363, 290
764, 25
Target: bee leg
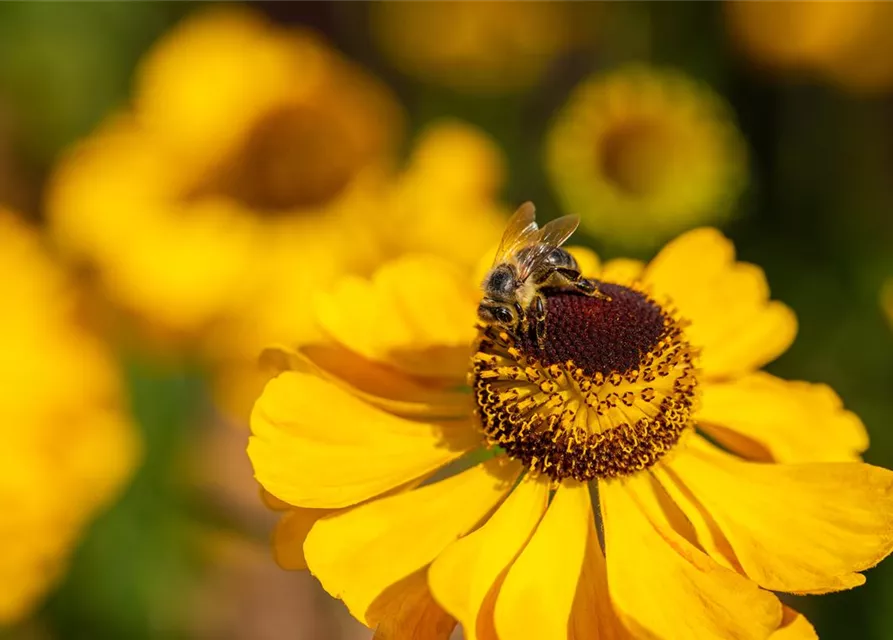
585, 286
521, 323
538, 326
581, 284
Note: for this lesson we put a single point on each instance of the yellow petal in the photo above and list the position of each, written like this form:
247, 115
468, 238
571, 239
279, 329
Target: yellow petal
537, 596
294, 526
471, 569
417, 314
380, 386
766, 418
662, 586
794, 527
315, 445
727, 302
358, 554
408, 612
794, 626
594, 616
587, 260
622, 271
289, 535
696, 525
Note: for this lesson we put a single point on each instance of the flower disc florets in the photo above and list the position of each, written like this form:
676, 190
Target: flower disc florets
608, 393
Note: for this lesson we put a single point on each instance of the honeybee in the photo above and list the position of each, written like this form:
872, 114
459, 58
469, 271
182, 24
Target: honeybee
528, 263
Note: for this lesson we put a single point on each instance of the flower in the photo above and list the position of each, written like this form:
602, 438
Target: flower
429, 472
643, 154
476, 47
244, 170
69, 445
452, 178
846, 43
256, 167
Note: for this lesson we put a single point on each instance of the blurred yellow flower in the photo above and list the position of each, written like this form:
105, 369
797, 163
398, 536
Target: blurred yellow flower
256, 166
452, 178
413, 457
642, 154
68, 444
480, 47
243, 174
849, 43
887, 300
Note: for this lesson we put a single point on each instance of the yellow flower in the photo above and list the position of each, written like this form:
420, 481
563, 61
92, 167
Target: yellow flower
452, 179
643, 154
244, 172
255, 168
848, 43
68, 445
428, 472
479, 47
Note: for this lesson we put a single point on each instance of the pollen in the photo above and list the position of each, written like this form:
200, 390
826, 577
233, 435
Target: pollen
608, 393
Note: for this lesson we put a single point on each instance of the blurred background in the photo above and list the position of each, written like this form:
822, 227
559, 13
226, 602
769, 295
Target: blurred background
176, 179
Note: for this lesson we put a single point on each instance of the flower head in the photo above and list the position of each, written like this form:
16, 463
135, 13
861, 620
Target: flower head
245, 142
479, 47
256, 167
430, 472
644, 154
452, 178
67, 441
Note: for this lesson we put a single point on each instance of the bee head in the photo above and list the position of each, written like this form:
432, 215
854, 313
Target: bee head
496, 313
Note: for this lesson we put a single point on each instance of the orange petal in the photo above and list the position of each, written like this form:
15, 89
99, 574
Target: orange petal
794, 626
289, 535
727, 302
359, 553
406, 611
315, 445
662, 586
416, 314
594, 616
806, 528
769, 419
272, 502
472, 568
537, 596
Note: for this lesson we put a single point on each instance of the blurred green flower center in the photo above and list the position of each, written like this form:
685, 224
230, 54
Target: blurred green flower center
637, 157
295, 157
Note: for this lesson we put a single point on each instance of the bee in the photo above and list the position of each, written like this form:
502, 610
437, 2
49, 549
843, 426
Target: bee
529, 263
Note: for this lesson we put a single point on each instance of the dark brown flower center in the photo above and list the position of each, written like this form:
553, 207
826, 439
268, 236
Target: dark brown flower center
599, 335
610, 391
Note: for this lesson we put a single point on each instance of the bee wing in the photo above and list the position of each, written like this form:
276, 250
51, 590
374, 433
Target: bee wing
519, 232
556, 233
553, 234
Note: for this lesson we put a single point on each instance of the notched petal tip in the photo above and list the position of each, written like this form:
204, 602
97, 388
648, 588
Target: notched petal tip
764, 418
727, 303
825, 523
